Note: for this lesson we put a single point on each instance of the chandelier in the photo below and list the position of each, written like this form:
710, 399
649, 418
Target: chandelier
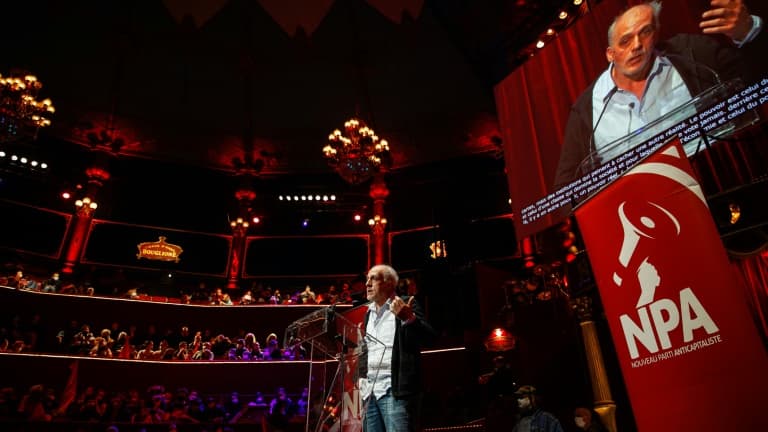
356, 153
21, 114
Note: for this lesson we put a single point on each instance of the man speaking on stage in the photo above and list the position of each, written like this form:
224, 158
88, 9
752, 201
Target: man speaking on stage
390, 369
647, 79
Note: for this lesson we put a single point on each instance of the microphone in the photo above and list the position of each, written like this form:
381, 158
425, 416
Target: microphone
692, 61
629, 125
591, 146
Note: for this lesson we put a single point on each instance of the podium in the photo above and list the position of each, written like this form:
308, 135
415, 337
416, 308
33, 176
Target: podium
677, 316
713, 115
338, 344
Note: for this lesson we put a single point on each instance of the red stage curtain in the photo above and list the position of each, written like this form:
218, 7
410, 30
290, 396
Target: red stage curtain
534, 101
754, 273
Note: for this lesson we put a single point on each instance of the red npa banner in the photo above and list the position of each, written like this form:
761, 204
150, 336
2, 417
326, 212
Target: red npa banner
352, 415
690, 354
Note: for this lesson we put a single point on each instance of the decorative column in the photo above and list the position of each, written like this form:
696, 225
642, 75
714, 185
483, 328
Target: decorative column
83, 216
239, 227
601, 391
378, 222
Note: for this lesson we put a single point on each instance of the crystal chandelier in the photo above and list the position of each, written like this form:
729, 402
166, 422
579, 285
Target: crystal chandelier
21, 114
356, 153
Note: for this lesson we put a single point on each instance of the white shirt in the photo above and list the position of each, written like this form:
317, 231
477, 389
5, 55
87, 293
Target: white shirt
381, 327
625, 113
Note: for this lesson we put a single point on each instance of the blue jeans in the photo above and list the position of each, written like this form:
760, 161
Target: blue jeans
387, 414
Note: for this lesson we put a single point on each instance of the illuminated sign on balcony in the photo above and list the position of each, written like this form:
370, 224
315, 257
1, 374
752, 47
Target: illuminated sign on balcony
159, 250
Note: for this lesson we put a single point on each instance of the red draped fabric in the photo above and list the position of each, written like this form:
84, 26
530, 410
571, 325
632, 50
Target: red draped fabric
290, 15
754, 274
534, 101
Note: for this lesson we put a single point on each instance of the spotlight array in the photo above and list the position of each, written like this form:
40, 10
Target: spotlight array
567, 15
20, 160
314, 198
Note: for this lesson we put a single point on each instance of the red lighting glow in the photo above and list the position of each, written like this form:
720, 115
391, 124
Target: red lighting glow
357, 217
570, 237
66, 195
500, 340
256, 219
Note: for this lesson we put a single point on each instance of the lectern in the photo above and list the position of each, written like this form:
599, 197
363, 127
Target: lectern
337, 342
707, 118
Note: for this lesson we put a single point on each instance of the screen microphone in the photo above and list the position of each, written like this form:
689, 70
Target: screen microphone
631, 106
592, 149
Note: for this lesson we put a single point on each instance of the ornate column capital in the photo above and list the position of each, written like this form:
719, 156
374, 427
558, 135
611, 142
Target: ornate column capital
582, 305
379, 190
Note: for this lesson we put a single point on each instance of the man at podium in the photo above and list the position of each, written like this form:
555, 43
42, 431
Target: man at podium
647, 78
391, 371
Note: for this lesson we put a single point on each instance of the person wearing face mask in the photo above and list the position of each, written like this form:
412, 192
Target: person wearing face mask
585, 421
533, 418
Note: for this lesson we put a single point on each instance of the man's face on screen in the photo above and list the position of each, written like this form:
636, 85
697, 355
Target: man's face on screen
631, 48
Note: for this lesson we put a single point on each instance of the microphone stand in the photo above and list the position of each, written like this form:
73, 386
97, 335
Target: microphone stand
591, 147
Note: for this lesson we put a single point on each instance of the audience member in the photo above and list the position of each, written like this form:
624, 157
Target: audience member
532, 417
17, 280
586, 421
53, 284
272, 350
247, 298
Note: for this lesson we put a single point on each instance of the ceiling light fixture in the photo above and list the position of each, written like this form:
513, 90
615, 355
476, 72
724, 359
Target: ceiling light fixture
21, 114
86, 204
356, 153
